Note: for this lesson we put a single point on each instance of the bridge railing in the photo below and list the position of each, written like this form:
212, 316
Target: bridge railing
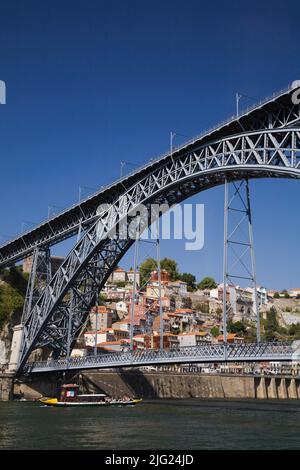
200, 353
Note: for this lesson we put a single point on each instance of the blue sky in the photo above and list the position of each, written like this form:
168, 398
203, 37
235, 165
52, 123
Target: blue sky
92, 83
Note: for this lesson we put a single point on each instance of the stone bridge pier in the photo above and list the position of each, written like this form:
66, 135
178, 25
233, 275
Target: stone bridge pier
6, 386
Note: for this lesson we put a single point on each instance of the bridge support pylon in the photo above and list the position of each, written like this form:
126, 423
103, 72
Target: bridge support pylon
239, 260
40, 275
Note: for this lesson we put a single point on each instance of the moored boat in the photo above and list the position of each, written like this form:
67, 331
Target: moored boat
70, 396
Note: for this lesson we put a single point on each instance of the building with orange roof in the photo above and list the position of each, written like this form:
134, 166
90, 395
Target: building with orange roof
155, 340
164, 276
166, 323
120, 275
142, 341
120, 334
184, 310
231, 338
112, 346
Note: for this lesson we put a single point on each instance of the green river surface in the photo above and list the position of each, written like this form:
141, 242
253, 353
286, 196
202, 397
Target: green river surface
157, 424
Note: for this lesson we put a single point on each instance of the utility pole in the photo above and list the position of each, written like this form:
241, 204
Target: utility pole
253, 265
161, 319
238, 97
96, 329
225, 253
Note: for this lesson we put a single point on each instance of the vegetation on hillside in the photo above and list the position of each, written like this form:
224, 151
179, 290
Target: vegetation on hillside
274, 331
170, 265
207, 283
12, 293
150, 264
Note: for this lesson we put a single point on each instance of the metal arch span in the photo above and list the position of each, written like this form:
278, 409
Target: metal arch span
267, 153
276, 112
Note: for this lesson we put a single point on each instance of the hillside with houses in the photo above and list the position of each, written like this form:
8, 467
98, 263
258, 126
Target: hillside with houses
145, 309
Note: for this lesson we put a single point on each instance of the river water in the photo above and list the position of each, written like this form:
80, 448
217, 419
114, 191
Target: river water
160, 424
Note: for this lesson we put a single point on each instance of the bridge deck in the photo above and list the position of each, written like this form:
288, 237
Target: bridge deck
251, 352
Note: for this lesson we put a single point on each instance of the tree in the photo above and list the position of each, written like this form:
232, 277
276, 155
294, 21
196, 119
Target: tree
16, 279
202, 307
276, 295
190, 280
285, 294
215, 331
101, 299
146, 267
150, 264
294, 330
271, 324
237, 327
11, 300
120, 283
171, 266
207, 283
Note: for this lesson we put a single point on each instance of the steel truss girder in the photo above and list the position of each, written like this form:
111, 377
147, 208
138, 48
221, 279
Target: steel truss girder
270, 153
249, 352
278, 112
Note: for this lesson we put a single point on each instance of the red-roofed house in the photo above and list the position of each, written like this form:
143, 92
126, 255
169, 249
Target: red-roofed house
142, 341
112, 346
231, 338
155, 340
166, 323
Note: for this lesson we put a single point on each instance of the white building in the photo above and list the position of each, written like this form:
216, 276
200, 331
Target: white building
121, 308
92, 337
231, 295
119, 275
262, 295
176, 288
294, 292
193, 338
130, 277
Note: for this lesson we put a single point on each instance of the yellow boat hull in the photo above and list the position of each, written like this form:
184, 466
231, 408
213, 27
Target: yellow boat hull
54, 402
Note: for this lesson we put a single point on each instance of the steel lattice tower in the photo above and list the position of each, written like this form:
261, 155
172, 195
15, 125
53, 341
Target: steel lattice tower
239, 260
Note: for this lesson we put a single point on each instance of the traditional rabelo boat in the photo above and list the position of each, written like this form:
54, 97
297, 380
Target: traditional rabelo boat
70, 396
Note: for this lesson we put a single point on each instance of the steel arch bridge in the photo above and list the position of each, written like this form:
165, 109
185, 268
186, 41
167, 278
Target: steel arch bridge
263, 142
